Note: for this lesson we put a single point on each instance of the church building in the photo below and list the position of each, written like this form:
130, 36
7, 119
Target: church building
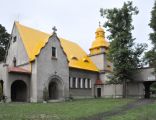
37, 61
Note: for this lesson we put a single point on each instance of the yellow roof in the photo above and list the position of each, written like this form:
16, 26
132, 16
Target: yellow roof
34, 40
100, 39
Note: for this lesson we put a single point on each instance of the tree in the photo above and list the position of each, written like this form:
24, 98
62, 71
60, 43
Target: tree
4, 41
123, 53
150, 56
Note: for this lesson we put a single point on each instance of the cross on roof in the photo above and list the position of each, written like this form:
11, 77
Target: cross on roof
54, 29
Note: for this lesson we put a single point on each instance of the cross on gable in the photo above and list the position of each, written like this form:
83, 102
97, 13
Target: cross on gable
54, 29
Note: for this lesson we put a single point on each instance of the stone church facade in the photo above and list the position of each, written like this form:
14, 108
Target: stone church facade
36, 61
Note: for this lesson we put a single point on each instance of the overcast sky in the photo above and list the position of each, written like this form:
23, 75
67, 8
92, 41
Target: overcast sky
76, 20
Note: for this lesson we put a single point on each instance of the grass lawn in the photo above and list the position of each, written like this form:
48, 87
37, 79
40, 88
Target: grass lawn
58, 111
147, 112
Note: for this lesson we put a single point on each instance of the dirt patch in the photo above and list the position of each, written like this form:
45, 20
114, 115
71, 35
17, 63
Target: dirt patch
119, 110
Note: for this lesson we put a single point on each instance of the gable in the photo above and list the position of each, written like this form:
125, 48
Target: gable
16, 49
35, 40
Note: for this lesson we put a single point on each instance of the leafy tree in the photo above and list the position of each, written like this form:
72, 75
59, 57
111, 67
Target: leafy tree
123, 52
150, 56
4, 41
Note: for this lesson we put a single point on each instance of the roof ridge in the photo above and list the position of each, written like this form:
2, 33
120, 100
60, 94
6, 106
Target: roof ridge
32, 28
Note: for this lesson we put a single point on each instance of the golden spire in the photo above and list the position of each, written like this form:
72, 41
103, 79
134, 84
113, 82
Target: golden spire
100, 32
100, 41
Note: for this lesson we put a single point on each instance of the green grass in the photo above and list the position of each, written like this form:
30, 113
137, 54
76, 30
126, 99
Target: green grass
146, 112
58, 111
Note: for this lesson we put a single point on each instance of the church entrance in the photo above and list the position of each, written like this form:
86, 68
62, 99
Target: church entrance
55, 89
19, 91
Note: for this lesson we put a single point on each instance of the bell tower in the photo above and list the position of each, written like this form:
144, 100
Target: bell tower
98, 53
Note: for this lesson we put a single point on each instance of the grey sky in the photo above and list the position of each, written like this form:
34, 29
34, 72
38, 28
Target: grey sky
76, 20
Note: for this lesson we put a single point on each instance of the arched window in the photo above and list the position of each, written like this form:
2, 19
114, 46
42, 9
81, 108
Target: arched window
14, 62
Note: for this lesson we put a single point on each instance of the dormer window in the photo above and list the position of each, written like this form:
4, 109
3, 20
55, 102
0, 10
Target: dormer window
85, 60
54, 55
74, 58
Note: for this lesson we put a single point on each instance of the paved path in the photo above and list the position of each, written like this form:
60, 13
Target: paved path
119, 110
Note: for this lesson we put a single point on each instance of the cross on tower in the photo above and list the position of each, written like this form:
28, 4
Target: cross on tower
54, 29
99, 24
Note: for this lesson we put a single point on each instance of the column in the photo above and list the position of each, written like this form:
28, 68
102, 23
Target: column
90, 83
86, 83
81, 84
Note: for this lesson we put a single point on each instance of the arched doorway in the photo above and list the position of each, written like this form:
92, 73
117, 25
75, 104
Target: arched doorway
1, 87
19, 91
55, 89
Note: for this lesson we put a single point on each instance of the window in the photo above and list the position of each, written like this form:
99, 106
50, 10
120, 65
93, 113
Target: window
74, 83
84, 79
85, 60
70, 82
14, 39
89, 83
79, 83
14, 62
53, 52
74, 58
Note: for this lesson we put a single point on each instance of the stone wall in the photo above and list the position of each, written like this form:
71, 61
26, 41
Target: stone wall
99, 60
83, 92
110, 90
16, 49
135, 89
48, 67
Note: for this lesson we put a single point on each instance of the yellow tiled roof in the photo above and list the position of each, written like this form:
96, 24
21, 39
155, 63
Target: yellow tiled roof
34, 40
100, 40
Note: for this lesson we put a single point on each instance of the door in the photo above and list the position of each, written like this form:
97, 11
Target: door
98, 92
